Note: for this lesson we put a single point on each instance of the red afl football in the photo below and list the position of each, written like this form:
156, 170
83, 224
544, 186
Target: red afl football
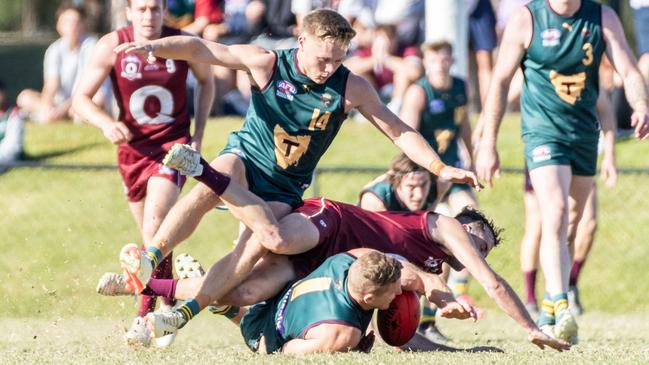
398, 323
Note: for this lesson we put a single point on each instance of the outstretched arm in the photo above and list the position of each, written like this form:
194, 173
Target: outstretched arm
617, 50
252, 59
453, 236
362, 96
512, 48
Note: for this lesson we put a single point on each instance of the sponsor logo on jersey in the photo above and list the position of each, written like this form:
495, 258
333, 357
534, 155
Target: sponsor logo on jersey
551, 37
326, 99
541, 153
433, 265
436, 106
131, 68
286, 90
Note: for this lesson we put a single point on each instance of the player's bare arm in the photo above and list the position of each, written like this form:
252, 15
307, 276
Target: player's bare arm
325, 338
608, 169
369, 201
362, 96
516, 38
617, 50
455, 239
255, 61
414, 103
203, 99
98, 69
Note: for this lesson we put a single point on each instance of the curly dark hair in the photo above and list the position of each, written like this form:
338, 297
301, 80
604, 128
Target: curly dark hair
469, 215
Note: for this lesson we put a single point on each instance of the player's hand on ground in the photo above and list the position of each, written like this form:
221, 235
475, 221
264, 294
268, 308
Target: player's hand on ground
117, 133
542, 340
460, 176
487, 164
640, 121
459, 310
366, 343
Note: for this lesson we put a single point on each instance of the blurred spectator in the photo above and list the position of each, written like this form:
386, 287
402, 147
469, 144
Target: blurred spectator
63, 64
448, 20
482, 42
406, 15
276, 27
180, 13
507, 8
208, 16
300, 8
641, 17
389, 66
11, 132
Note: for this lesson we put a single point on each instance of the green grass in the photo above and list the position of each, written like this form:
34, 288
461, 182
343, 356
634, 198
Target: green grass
61, 229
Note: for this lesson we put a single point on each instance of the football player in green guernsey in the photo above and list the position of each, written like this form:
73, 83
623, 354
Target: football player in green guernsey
300, 98
435, 105
559, 44
406, 186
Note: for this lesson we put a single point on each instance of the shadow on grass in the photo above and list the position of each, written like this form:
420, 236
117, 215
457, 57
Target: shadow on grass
56, 153
419, 343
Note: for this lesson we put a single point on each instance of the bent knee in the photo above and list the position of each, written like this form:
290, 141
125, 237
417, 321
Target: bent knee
243, 296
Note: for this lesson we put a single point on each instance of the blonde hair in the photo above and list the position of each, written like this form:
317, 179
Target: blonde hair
326, 23
372, 272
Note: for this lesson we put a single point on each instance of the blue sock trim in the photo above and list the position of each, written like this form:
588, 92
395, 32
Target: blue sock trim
155, 253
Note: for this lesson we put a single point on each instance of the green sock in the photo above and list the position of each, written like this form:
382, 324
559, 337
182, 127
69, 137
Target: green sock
546, 317
560, 303
189, 309
154, 254
427, 318
229, 311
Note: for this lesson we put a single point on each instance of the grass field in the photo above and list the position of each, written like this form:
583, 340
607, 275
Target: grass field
61, 229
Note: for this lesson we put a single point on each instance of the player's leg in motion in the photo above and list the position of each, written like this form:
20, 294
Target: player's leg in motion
530, 251
581, 240
148, 213
185, 215
552, 185
296, 232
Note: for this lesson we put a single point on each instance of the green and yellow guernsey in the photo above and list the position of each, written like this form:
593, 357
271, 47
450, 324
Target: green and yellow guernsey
322, 297
387, 194
441, 118
291, 122
561, 74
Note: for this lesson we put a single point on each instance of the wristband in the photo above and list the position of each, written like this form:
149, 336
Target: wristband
436, 167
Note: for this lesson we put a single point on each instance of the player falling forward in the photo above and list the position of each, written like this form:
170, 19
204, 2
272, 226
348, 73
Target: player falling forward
321, 228
154, 115
300, 99
560, 45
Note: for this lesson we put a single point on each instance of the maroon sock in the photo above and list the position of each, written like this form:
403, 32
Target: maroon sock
162, 271
530, 285
213, 179
575, 271
165, 288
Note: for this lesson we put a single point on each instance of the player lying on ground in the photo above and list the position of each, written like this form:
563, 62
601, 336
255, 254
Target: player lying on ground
321, 228
300, 99
328, 310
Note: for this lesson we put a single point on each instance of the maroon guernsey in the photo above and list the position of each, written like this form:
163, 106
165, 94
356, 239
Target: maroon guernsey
344, 227
152, 100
